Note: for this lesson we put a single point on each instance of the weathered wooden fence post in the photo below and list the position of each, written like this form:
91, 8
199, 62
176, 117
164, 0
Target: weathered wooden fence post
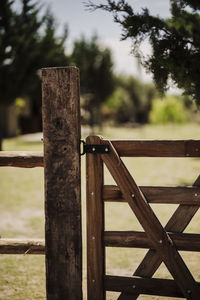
61, 129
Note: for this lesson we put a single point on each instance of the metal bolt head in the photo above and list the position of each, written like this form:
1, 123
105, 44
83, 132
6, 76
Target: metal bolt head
92, 193
106, 149
93, 149
93, 237
196, 194
134, 286
132, 195
189, 292
160, 241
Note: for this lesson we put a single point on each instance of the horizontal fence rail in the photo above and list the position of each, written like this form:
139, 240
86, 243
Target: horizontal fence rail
148, 286
136, 148
22, 159
157, 148
25, 246
157, 194
126, 239
136, 239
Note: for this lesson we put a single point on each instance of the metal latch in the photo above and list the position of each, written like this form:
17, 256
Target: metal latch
92, 148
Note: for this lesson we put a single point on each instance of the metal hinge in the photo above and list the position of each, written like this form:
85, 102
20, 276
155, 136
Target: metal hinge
92, 148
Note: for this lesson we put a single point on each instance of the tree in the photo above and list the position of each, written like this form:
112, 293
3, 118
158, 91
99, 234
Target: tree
131, 100
51, 50
141, 96
27, 43
96, 76
175, 41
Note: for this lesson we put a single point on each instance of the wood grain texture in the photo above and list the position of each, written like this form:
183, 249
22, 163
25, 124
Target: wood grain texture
157, 148
23, 159
136, 239
25, 246
61, 129
153, 286
154, 230
177, 223
158, 194
95, 225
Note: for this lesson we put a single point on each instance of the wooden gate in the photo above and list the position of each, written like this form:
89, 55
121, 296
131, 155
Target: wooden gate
163, 243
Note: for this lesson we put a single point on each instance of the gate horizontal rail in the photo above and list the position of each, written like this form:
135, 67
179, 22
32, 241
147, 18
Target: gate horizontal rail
137, 239
158, 194
155, 148
148, 286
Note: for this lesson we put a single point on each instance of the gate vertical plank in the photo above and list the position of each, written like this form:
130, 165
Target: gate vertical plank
95, 225
61, 127
162, 243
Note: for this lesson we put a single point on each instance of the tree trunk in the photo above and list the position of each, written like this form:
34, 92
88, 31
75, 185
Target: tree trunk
1, 136
1, 124
0, 143
92, 118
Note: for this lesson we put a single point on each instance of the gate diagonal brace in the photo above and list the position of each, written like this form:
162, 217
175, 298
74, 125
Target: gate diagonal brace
95, 149
152, 261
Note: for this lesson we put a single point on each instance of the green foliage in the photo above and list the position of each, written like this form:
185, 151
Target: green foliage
115, 101
175, 41
119, 107
27, 43
96, 76
131, 101
20, 102
168, 110
141, 96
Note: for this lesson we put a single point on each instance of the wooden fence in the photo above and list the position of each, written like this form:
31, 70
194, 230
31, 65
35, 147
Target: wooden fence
163, 243
63, 246
61, 161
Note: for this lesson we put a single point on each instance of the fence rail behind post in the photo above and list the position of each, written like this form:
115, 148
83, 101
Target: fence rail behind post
61, 128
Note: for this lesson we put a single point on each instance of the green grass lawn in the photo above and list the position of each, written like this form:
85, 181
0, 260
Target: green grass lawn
22, 210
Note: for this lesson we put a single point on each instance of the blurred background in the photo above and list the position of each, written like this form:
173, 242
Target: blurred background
115, 89
118, 100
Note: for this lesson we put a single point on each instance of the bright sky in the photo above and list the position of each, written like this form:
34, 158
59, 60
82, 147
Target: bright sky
80, 21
